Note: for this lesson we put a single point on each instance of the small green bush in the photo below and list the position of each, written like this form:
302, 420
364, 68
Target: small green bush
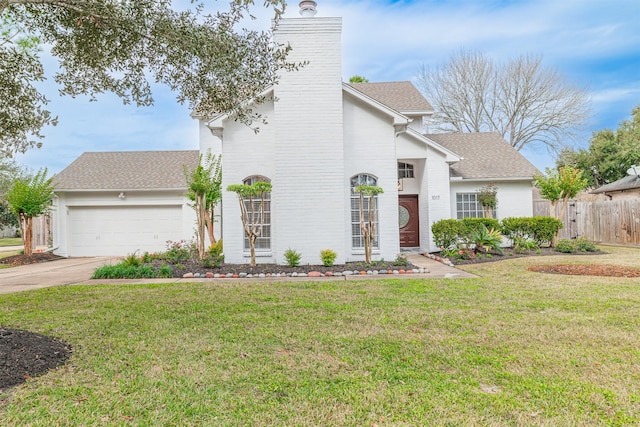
401, 261
328, 257
566, 246
132, 260
178, 252
585, 245
123, 271
475, 224
293, 257
523, 245
486, 239
541, 229
214, 256
446, 233
165, 271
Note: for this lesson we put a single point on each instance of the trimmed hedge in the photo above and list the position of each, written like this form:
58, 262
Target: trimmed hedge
541, 229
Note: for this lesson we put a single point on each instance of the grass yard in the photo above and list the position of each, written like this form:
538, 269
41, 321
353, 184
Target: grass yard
513, 348
10, 241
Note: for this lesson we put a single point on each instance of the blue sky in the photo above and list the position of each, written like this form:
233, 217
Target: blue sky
595, 43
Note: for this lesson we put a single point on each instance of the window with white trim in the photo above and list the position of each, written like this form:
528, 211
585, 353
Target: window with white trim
263, 242
405, 170
357, 239
468, 206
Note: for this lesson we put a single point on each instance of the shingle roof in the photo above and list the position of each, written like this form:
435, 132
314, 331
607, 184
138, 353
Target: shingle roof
127, 170
401, 96
629, 182
485, 155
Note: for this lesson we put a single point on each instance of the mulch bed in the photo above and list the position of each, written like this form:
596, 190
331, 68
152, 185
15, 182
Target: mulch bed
25, 354
34, 258
587, 270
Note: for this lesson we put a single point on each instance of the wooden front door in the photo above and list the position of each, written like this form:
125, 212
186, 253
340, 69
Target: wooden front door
409, 221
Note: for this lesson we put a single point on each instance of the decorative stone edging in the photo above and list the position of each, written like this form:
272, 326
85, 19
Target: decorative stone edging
210, 275
444, 261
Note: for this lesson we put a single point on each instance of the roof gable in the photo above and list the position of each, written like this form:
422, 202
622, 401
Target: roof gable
127, 170
485, 155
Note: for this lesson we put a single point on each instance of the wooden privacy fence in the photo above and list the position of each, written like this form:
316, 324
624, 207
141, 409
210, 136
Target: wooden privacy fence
613, 221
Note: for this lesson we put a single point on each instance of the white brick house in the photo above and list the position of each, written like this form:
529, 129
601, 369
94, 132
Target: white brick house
323, 137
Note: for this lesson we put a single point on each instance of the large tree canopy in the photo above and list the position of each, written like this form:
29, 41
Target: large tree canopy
122, 46
521, 100
610, 153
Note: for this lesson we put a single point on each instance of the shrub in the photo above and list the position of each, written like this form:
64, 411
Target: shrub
523, 244
214, 256
293, 257
123, 271
473, 224
541, 229
178, 252
215, 250
401, 260
566, 246
446, 233
328, 257
165, 271
585, 245
486, 239
132, 260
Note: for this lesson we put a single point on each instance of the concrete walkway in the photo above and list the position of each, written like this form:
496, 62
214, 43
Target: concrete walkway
74, 271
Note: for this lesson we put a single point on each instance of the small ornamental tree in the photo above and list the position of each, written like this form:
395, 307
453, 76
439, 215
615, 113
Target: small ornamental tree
205, 190
558, 186
30, 197
252, 201
368, 222
488, 200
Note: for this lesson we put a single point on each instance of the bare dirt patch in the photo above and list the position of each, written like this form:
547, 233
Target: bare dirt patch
587, 270
25, 354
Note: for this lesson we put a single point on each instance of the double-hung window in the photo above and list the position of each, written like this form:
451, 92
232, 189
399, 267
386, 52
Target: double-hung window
357, 239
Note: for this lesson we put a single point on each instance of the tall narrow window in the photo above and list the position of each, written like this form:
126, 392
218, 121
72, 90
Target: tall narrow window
263, 242
357, 239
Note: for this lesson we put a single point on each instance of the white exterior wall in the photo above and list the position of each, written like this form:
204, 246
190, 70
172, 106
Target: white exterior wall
370, 148
436, 200
244, 154
515, 198
64, 201
207, 140
307, 199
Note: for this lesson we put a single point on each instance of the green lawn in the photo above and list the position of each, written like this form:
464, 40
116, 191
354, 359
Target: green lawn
512, 348
11, 241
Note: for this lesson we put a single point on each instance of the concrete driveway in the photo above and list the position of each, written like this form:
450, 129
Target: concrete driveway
66, 271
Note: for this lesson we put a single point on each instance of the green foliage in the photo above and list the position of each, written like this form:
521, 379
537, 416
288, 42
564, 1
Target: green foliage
178, 252
132, 260
487, 196
610, 153
124, 271
446, 233
583, 244
215, 250
214, 256
209, 60
31, 196
328, 257
540, 229
560, 185
292, 257
368, 190
566, 246
473, 224
401, 261
486, 239
358, 79
522, 245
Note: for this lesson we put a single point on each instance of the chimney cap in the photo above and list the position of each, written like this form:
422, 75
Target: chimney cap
308, 8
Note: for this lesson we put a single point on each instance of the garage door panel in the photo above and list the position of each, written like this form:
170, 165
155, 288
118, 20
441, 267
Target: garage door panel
102, 231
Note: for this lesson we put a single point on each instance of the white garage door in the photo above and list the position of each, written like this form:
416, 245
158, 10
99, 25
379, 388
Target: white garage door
101, 231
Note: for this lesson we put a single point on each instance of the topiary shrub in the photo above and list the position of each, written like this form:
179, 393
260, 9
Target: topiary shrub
545, 229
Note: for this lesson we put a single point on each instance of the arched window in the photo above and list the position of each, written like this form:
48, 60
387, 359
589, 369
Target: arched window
357, 240
263, 242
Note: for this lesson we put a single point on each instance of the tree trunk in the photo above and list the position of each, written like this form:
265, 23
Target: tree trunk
209, 224
252, 247
27, 237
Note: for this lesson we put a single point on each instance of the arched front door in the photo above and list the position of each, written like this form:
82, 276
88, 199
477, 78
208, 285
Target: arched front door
409, 221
